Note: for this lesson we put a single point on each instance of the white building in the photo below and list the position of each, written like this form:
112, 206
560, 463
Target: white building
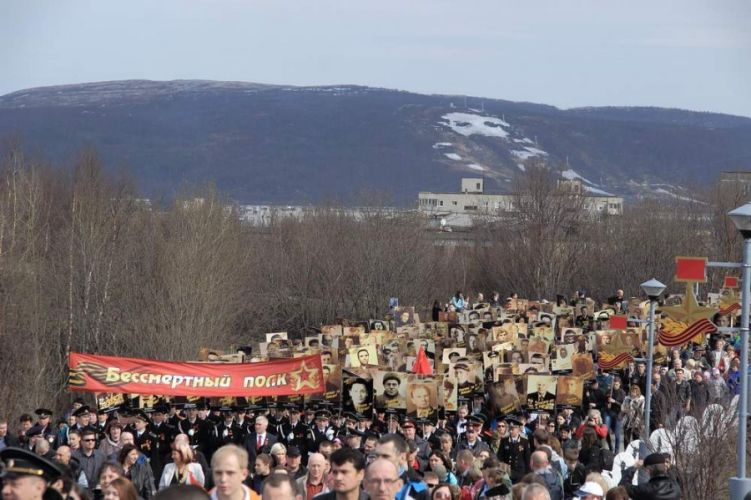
458, 209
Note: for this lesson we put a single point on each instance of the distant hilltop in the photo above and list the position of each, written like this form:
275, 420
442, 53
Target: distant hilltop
275, 144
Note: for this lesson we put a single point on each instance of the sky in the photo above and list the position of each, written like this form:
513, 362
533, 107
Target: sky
690, 54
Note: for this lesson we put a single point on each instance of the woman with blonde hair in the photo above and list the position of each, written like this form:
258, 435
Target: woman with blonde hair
632, 410
182, 470
279, 454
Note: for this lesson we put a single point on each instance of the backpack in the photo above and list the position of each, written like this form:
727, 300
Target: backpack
606, 459
554, 483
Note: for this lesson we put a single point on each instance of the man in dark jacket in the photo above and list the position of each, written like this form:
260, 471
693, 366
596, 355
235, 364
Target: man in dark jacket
514, 451
659, 487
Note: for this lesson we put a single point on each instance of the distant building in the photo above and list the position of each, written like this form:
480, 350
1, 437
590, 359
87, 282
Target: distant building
458, 209
736, 183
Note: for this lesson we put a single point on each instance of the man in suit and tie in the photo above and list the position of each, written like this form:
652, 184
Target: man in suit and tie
260, 440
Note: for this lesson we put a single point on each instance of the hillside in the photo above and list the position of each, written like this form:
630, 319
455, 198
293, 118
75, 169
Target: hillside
282, 144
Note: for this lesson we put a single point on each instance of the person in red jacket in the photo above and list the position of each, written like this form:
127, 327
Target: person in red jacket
594, 419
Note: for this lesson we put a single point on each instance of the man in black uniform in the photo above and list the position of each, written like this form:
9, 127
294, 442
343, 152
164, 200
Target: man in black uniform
293, 431
225, 429
45, 427
100, 425
242, 426
165, 434
200, 432
146, 441
514, 451
321, 431
28, 476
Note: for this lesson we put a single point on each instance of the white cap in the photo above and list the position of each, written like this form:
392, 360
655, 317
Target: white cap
590, 488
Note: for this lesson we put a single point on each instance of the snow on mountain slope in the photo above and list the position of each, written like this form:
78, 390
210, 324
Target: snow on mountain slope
468, 124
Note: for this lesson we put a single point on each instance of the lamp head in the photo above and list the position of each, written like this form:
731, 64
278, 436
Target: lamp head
741, 217
653, 288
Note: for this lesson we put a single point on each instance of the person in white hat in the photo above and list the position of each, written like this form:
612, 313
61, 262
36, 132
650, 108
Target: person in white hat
590, 491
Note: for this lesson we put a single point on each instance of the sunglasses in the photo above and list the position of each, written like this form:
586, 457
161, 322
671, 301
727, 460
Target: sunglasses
88, 440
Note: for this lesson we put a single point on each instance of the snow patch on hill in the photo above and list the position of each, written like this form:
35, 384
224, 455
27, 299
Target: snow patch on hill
572, 175
468, 124
528, 152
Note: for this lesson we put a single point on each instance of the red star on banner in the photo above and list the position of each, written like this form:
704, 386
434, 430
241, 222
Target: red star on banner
304, 377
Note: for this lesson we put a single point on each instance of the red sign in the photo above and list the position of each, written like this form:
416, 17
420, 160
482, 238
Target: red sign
691, 269
730, 282
618, 322
145, 376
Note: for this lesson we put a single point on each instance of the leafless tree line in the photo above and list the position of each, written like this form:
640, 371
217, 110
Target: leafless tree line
87, 265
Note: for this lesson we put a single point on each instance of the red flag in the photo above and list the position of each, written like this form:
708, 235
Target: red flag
730, 282
692, 269
422, 366
618, 322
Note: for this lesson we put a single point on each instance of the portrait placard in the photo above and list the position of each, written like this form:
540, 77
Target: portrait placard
390, 389
504, 333
313, 341
363, 356
393, 354
404, 316
570, 391
569, 335
422, 398
541, 392
272, 337
452, 354
334, 330
505, 396
582, 365
357, 395
464, 373
353, 330
538, 344
457, 332
378, 325
563, 355
447, 394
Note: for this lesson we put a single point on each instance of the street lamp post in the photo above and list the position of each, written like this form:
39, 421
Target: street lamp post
653, 289
741, 217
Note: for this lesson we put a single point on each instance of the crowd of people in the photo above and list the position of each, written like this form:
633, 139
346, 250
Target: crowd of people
400, 440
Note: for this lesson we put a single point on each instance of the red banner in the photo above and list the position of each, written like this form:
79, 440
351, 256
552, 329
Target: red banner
145, 376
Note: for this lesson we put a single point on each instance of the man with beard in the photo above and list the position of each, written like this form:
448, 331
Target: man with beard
391, 397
